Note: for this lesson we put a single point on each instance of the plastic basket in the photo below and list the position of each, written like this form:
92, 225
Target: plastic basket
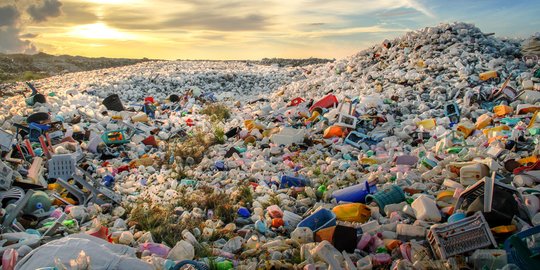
113, 103
459, 237
390, 195
116, 137
523, 249
62, 166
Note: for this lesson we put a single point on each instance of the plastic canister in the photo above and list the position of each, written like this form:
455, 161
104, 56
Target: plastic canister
470, 174
274, 211
183, 250
291, 218
484, 76
492, 258
356, 193
483, 121
353, 212
390, 195
466, 127
426, 209
502, 110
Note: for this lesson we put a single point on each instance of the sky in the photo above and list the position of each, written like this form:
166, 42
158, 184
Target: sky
240, 29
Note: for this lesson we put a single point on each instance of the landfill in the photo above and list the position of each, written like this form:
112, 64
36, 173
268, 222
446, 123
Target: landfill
420, 152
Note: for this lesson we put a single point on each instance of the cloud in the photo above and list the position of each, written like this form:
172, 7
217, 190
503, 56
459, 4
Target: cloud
11, 42
210, 20
29, 35
9, 15
10, 39
49, 9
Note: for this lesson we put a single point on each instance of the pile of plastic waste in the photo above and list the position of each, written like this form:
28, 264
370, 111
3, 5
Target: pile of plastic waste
418, 153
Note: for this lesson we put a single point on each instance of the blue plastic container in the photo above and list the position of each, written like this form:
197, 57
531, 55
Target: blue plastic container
356, 193
321, 219
291, 181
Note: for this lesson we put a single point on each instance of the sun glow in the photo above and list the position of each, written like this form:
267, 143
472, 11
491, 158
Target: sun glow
114, 1
99, 31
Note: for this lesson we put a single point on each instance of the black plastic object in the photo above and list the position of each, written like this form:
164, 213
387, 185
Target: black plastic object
174, 98
38, 117
39, 98
345, 238
232, 132
113, 103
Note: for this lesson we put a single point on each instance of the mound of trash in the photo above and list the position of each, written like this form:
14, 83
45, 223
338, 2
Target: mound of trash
417, 153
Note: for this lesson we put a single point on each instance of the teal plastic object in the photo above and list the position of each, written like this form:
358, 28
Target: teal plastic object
389, 195
520, 253
119, 136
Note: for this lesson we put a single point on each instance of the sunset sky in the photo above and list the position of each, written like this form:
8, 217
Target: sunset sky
239, 29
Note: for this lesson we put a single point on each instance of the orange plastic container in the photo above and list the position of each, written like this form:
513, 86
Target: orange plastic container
333, 131
325, 234
484, 76
353, 212
483, 121
502, 110
251, 124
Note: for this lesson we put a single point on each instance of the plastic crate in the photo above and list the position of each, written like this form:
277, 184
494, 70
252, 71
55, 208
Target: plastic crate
6, 140
459, 237
62, 166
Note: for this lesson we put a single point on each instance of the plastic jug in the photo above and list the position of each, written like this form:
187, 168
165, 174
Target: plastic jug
356, 193
466, 127
426, 209
353, 212
502, 110
470, 174
274, 211
390, 195
183, 250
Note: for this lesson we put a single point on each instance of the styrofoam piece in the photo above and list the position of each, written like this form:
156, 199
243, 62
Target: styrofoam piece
288, 136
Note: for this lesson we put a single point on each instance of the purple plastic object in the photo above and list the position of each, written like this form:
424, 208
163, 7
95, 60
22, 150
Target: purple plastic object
156, 249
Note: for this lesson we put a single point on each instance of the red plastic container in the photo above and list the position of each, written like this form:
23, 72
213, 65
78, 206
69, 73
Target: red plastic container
326, 102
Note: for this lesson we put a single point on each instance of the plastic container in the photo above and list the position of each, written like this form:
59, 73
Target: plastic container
484, 76
183, 250
426, 209
321, 219
353, 212
291, 181
291, 218
356, 193
466, 127
389, 195
462, 236
427, 124
519, 251
333, 131
326, 102
483, 121
274, 211
113, 103
502, 110
471, 174
490, 258
9, 259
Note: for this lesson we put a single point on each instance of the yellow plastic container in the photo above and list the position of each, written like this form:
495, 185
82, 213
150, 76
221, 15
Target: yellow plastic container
490, 132
488, 75
353, 212
251, 124
502, 110
427, 124
483, 121
314, 116
466, 127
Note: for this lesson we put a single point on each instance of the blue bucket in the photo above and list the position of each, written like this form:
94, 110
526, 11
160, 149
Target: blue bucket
321, 219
